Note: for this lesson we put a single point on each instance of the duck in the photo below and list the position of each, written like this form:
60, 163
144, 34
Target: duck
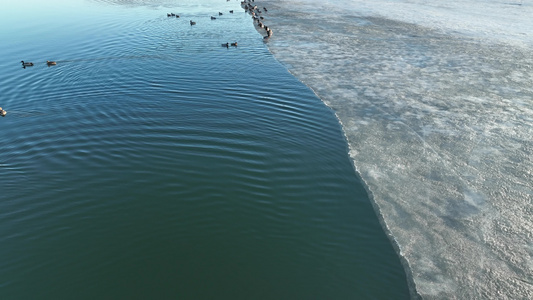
51, 63
213, 18
231, 11
192, 23
26, 64
219, 13
225, 45
2, 112
234, 44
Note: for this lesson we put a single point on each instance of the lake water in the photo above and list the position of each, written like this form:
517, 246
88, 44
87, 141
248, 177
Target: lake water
435, 98
152, 163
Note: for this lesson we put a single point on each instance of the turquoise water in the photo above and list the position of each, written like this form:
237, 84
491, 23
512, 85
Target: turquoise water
151, 162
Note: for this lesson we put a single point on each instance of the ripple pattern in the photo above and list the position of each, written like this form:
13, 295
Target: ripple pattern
153, 163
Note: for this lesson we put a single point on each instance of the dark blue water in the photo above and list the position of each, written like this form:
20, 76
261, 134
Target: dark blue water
151, 162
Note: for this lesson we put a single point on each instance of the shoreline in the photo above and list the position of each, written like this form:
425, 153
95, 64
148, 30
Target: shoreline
418, 147
377, 209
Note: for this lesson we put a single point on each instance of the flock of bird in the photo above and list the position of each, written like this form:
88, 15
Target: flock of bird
257, 16
248, 7
173, 15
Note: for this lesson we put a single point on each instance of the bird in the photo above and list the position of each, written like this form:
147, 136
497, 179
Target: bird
51, 63
26, 64
231, 11
219, 13
234, 44
192, 23
225, 45
213, 18
2, 112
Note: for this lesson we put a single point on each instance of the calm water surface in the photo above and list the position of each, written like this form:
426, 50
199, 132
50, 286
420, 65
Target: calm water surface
153, 163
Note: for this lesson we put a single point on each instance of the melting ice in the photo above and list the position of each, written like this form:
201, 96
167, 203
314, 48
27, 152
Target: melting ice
436, 100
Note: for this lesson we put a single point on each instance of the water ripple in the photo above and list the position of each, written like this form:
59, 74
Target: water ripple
150, 151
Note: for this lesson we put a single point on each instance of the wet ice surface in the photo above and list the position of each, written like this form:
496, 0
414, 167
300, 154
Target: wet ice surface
440, 128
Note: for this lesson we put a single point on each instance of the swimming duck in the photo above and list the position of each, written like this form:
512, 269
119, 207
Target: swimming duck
26, 64
225, 45
219, 13
51, 63
231, 11
192, 23
2, 112
234, 44
213, 18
